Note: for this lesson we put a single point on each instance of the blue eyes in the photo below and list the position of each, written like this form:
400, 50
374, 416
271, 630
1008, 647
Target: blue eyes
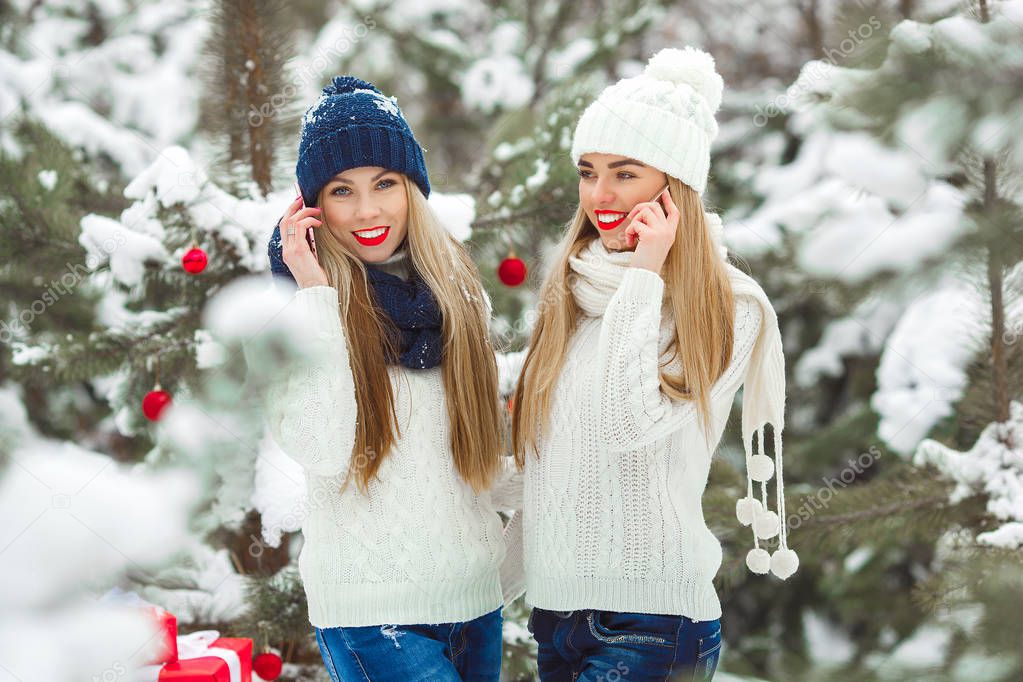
343, 190
622, 175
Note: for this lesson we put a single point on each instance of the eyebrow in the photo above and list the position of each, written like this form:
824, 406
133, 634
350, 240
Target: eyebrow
341, 178
616, 164
626, 162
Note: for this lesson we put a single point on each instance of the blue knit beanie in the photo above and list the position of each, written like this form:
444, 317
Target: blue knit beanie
353, 124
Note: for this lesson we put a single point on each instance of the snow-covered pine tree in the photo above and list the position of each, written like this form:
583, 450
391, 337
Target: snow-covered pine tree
249, 103
66, 477
44, 279
134, 317
933, 251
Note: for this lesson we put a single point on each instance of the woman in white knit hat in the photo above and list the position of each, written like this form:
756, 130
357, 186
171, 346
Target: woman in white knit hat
645, 334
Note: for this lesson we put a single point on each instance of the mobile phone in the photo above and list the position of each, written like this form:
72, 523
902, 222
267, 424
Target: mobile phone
309, 238
659, 192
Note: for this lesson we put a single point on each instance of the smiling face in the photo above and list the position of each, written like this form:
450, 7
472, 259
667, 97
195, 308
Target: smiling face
609, 186
366, 209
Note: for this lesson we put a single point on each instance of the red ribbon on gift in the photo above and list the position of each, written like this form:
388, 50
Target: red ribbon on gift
204, 656
166, 645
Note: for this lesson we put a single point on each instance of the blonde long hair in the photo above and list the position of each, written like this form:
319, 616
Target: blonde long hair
698, 289
468, 365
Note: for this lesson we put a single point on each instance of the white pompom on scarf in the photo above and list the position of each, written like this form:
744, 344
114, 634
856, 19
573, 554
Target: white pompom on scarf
763, 403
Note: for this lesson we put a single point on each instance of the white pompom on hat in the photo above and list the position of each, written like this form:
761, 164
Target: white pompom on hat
690, 66
663, 117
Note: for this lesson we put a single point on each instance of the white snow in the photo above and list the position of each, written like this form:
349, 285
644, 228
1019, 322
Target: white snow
860, 237
539, 176
279, 492
202, 586
562, 63
857, 559
127, 251
48, 179
926, 649
496, 82
125, 97
923, 367
509, 365
826, 643
79, 126
863, 162
248, 307
208, 353
23, 354
456, 213
911, 36
861, 333
172, 176
75, 522
993, 467
962, 37
100, 641
1009, 535
174, 179
14, 424
506, 151
64, 520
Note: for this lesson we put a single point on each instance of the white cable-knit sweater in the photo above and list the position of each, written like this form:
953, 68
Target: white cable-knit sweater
422, 547
612, 509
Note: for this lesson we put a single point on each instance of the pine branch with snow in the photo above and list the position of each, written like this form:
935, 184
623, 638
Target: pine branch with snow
993, 467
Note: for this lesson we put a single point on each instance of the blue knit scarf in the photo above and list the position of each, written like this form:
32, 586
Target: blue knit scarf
416, 320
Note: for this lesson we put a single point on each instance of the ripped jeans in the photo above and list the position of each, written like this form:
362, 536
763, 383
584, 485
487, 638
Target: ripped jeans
470, 650
606, 646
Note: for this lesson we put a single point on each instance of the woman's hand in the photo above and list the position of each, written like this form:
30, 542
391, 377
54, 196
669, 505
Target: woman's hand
655, 227
295, 250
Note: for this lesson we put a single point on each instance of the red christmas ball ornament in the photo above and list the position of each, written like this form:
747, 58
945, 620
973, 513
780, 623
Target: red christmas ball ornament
512, 271
155, 402
267, 665
194, 261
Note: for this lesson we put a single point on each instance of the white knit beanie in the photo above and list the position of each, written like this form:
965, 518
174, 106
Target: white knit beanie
663, 117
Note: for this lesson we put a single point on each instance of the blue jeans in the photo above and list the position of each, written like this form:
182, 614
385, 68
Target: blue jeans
605, 646
447, 651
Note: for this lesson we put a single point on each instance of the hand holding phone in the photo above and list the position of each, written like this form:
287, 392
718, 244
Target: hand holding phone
630, 234
654, 225
299, 254
310, 237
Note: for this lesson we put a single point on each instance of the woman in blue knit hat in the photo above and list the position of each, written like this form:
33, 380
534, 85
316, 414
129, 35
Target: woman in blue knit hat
401, 569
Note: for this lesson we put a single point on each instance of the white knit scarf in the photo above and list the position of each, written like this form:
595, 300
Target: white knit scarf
598, 275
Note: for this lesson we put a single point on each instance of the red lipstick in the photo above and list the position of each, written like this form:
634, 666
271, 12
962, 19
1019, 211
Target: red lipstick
372, 236
604, 215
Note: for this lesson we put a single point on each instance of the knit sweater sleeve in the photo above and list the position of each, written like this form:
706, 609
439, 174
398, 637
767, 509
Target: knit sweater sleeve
311, 407
513, 567
506, 493
634, 410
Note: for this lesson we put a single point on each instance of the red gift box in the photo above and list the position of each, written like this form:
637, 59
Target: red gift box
243, 647
204, 669
165, 645
211, 668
